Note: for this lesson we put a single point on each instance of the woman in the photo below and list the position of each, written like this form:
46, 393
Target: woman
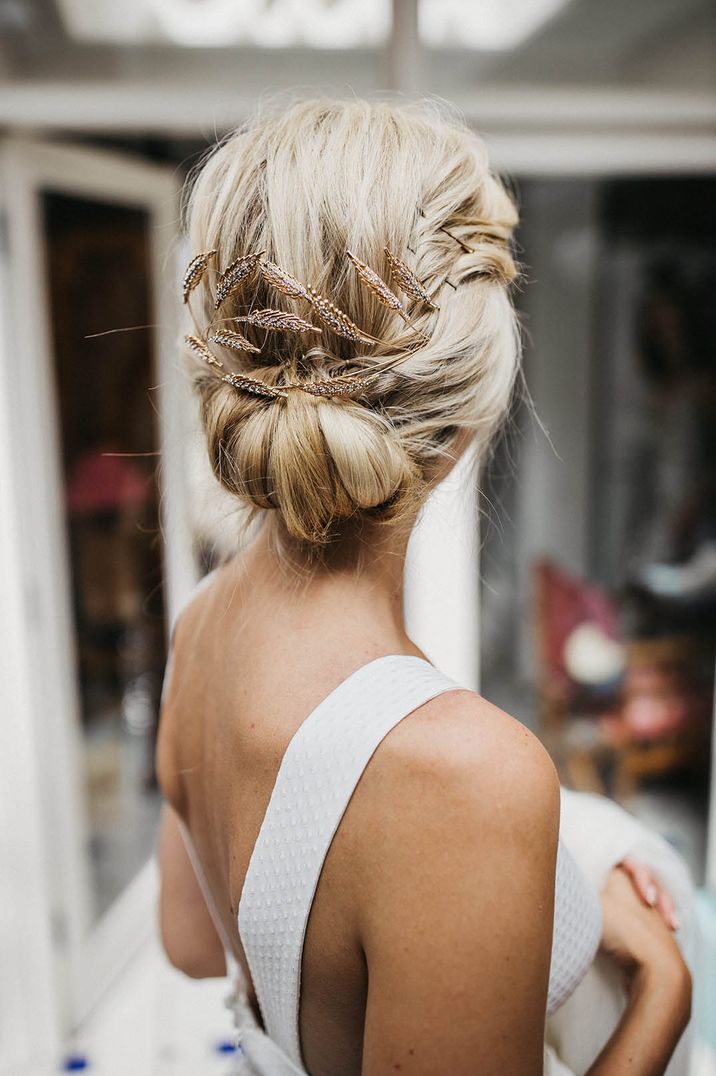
375, 849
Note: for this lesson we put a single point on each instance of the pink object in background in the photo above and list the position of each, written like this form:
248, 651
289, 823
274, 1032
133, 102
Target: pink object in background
564, 602
101, 483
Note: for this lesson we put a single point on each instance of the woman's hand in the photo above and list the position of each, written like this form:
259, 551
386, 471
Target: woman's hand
650, 890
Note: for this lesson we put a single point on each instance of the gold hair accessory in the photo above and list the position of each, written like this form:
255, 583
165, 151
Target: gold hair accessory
237, 273
234, 275
333, 386
336, 320
407, 281
203, 351
381, 291
232, 339
340, 385
253, 385
194, 272
278, 320
281, 280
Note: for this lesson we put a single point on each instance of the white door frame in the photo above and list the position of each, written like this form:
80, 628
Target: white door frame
41, 770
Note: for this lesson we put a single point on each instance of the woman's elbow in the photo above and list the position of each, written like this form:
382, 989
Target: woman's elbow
190, 954
191, 962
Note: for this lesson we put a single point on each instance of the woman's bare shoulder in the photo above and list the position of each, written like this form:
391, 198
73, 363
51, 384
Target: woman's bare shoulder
462, 737
456, 856
459, 772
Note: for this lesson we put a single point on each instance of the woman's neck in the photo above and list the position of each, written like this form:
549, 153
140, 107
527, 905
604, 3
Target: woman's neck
362, 584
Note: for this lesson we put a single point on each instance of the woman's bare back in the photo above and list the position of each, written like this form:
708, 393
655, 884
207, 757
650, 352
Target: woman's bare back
248, 666
251, 659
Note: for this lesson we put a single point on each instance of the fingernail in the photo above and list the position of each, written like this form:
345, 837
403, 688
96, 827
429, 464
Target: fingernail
651, 894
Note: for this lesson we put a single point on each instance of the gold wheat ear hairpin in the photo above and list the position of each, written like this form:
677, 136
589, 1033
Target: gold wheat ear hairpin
203, 351
255, 386
342, 385
245, 382
277, 320
234, 276
195, 271
378, 287
326, 311
407, 281
236, 341
282, 281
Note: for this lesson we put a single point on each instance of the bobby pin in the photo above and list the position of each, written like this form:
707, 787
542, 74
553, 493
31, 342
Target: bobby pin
465, 247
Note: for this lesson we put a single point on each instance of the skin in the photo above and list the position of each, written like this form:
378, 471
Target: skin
657, 981
428, 944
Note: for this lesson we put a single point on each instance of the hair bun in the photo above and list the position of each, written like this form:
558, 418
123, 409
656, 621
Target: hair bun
316, 461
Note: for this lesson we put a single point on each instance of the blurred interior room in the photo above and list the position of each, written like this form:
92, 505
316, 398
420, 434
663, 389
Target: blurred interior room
585, 606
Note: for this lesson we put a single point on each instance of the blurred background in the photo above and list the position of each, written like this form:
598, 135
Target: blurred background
581, 596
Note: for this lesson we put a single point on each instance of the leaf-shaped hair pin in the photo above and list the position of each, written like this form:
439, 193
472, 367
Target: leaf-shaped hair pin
407, 281
329, 314
232, 339
277, 320
203, 351
337, 320
254, 385
245, 382
380, 289
334, 386
281, 280
234, 275
195, 271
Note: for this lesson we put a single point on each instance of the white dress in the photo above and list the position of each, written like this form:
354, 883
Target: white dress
317, 776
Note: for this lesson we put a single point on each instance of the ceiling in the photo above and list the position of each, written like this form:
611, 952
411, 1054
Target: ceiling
586, 40
104, 66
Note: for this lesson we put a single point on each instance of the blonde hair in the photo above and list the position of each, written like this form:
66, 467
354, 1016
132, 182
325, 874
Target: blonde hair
304, 183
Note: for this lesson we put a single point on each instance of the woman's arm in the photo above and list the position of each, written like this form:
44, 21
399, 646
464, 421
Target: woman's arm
459, 902
187, 930
657, 980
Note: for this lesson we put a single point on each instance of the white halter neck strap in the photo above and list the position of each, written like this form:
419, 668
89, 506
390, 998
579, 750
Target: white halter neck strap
317, 777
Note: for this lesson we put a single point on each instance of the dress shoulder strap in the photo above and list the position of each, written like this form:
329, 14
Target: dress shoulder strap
317, 777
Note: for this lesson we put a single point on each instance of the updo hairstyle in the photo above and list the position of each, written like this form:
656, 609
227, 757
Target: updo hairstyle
304, 184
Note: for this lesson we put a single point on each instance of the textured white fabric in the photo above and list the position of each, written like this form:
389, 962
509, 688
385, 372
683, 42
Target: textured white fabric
317, 777
577, 929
